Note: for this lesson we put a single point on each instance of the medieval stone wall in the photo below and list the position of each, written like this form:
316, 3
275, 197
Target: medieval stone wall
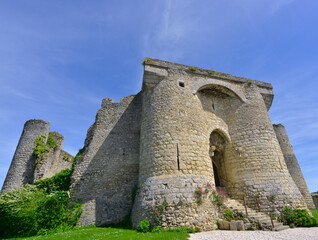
25, 167
106, 175
54, 161
292, 163
21, 170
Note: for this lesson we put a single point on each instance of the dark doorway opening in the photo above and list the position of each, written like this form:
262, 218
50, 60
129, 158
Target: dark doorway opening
216, 176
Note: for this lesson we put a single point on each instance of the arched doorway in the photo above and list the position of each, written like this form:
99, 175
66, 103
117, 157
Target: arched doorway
217, 148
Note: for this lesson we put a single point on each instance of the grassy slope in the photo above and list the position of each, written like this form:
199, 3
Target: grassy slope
110, 233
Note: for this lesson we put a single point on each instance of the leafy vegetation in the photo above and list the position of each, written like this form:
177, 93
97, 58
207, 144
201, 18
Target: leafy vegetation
314, 213
59, 182
193, 69
144, 226
32, 211
211, 71
158, 212
299, 217
41, 208
235, 215
40, 147
51, 142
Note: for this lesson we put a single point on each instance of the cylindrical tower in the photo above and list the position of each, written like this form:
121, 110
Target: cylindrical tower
175, 166
22, 166
259, 171
292, 163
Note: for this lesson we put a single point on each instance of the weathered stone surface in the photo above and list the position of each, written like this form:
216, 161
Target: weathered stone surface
240, 225
21, 170
224, 225
292, 163
233, 226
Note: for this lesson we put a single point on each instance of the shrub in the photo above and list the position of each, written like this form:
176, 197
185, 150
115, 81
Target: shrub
158, 212
51, 142
228, 213
30, 211
299, 217
39, 147
157, 229
218, 197
59, 182
193, 69
144, 226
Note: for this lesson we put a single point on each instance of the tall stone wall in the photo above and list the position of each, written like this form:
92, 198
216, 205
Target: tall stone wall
54, 161
21, 170
106, 175
292, 163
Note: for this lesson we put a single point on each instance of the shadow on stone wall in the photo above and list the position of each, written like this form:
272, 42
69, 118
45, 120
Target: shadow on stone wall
107, 183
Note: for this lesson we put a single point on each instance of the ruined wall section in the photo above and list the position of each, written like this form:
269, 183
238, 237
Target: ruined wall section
21, 170
106, 175
292, 163
54, 161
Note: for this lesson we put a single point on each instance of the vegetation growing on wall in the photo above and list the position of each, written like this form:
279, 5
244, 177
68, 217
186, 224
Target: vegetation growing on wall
40, 147
41, 208
51, 142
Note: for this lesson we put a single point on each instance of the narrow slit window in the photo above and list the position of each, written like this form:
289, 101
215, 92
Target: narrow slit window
181, 84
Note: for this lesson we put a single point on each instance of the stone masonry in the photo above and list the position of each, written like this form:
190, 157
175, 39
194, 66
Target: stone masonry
187, 129
292, 163
25, 167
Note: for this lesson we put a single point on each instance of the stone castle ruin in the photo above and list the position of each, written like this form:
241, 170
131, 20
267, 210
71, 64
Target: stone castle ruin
187, 129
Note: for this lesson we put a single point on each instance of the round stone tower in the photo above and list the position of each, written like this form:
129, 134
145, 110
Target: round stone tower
22, 166
292, 163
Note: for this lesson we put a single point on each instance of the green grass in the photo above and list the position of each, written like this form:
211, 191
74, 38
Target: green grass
96, 233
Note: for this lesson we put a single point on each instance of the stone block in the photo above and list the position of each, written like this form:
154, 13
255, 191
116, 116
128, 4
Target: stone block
240, 225
233, 226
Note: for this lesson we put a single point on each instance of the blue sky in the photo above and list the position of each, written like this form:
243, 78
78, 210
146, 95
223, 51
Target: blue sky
58, 59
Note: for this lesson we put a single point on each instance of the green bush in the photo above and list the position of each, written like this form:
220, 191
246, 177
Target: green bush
51, 142
144, 226
39, 147
41, 208
30, 211
59, 182
299, 217
228, 214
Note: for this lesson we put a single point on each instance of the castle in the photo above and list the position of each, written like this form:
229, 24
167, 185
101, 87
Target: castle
186, 129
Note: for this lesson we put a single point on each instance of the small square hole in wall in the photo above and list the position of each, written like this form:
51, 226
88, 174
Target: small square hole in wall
181, 84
